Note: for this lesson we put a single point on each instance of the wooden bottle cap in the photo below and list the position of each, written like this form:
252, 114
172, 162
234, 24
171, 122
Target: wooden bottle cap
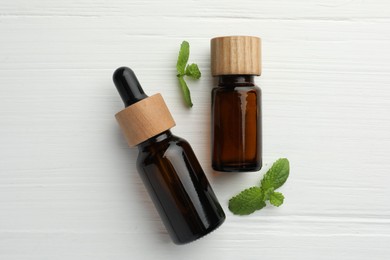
236, 55
145, 119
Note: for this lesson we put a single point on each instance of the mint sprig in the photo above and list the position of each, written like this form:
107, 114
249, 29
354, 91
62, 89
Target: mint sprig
183, 69
254, 198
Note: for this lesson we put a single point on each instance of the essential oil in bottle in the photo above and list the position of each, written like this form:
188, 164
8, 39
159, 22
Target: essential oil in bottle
166, 163
236, 104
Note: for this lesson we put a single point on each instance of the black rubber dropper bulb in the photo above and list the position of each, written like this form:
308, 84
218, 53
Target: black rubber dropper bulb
128, 86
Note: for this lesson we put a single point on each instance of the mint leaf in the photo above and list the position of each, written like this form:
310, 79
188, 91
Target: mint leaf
277, 175
247, 202
276, 199
193, 71
184, 54
186, 91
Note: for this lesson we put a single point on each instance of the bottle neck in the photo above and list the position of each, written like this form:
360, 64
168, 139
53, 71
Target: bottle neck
236, 80
156, 139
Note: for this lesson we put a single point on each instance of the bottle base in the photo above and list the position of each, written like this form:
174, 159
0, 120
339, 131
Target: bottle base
200, 235
237, 167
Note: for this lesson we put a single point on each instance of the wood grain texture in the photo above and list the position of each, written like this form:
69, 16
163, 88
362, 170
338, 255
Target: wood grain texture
68, 184
235, 55
145, 119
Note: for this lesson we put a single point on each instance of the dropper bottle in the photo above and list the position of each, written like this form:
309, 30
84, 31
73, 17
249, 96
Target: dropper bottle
166, 163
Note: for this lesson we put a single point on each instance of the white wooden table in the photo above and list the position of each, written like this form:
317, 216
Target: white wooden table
68, 184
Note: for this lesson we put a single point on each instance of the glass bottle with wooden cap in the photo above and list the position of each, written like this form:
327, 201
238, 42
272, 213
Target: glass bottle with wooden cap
166, 163
236, 104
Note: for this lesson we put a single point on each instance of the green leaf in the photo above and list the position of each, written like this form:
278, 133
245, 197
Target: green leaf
247, 201
183, 57
186, 91
276, 199
193, 71
277, 175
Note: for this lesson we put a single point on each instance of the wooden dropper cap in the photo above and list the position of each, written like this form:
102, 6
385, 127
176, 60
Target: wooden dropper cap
143, 117
236, 55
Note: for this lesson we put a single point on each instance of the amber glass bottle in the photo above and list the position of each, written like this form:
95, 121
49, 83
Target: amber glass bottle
236, 104
167, 164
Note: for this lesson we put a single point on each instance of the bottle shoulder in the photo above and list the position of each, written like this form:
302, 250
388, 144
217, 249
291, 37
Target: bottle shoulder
238, 90
172, 145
